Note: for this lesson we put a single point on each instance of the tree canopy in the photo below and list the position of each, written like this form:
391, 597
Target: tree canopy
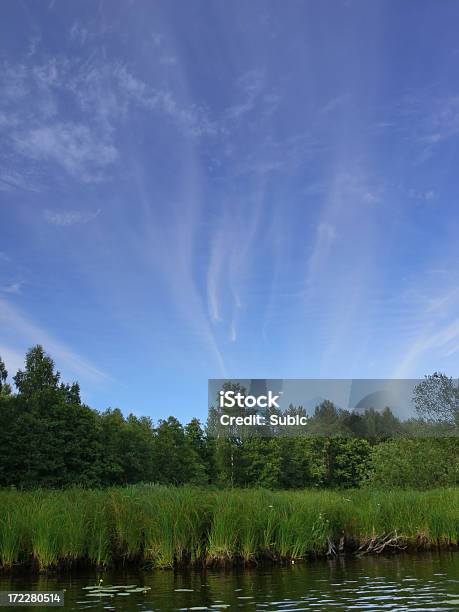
50, 438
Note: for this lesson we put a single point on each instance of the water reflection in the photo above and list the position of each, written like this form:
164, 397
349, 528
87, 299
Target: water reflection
406, 582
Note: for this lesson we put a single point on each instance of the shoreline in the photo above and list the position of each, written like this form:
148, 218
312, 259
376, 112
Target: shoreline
153, 526
236, 563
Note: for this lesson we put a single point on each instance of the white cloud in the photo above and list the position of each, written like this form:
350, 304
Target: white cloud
248, 87
132, 86
78, 33
12, 288
434, 120
69, 217
324, 238
97, 94
416, 194
27, 333
434, 324
14, 82
46, 74
193, 120
214, 275
335, 103
168, 60
157, 38
233, 332
11, 180
80, 151
370, 197
33, 45
442, 341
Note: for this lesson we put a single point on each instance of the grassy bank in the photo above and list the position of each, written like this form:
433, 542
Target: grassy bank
165, 526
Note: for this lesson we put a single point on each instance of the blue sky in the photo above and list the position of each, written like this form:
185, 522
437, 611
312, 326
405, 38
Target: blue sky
194, 190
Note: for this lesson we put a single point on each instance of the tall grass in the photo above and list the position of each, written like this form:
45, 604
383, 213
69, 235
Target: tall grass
165, 526
13, 527
175, 525
46, 527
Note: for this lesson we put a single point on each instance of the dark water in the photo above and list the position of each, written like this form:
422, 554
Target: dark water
407, 582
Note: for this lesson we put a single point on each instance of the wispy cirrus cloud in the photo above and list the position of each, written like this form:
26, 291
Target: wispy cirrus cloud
441, 342
248, 87
80, 135
70, 217
421, 195
193, 119
79, 33
11, 180
443, 122
13, 288
26, 333
75, 147
168, 60
336, 103
265, 212
324, 239
434, 337
348, 196
214, 272
428, 120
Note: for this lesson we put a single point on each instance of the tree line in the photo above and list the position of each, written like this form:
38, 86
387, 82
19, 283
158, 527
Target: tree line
50, 438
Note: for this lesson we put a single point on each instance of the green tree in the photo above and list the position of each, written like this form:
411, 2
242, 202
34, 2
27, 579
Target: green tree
414, 463
5, 388
328, 420
436, 398
260, 463
111, 425
171, 453
38, 375
202, 469
229, 465
348, 461
228, 439
375, 425
137, 451
49, 438
70, 393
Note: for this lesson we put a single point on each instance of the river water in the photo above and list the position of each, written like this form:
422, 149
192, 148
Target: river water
403, 582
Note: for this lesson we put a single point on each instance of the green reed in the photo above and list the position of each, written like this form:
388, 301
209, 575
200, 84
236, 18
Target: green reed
161, 526
13, 527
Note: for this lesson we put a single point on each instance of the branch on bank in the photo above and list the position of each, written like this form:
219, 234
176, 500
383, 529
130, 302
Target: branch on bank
382, 543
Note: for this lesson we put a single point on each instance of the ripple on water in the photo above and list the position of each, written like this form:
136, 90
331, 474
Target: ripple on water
423, 583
